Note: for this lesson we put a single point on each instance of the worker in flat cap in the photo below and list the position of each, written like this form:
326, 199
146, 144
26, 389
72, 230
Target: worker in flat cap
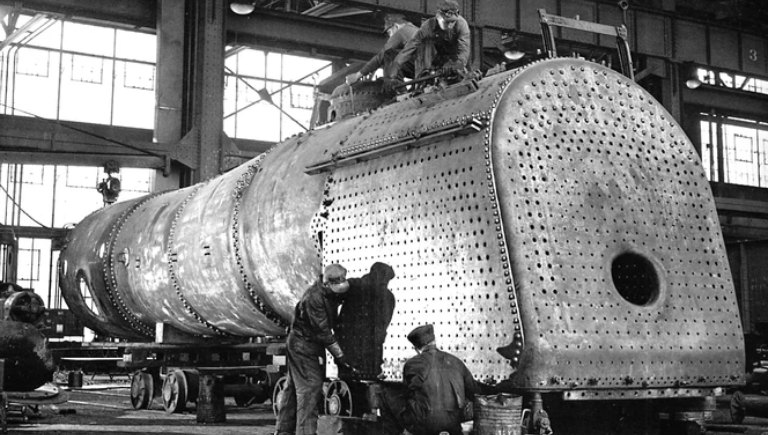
439, 386
311, 334
400, 31
442, 43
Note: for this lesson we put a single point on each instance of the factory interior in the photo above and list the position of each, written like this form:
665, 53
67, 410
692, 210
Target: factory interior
576, 209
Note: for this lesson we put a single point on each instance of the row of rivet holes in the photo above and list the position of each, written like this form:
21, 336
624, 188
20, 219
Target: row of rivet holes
172, 259
245, 180
112, 286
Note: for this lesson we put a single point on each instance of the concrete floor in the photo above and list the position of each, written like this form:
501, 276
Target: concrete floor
109, 411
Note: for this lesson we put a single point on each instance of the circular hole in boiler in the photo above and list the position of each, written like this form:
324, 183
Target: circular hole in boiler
635, 278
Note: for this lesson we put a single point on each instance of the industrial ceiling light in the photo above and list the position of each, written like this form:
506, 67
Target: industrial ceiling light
514, 54
242, 8
509, 48
691, 75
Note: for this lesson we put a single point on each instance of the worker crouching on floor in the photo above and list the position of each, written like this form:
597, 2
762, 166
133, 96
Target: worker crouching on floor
439, 387
311, 333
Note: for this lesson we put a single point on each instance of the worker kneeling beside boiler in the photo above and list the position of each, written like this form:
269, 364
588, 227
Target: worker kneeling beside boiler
438, 388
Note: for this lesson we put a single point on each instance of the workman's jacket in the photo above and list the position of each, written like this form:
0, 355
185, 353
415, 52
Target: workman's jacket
439, 387
432, 47
315, 315
386, 55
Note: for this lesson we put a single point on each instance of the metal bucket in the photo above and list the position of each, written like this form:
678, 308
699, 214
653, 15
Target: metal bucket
498, 414
75, 379
210, 400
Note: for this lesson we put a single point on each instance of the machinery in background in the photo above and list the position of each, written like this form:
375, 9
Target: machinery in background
28, 362
25, 360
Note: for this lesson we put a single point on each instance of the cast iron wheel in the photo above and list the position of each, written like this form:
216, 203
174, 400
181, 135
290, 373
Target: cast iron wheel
142, 390
175, 392
338, 399
277, 393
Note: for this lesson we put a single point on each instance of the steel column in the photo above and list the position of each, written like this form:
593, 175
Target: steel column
170, 66
207, 87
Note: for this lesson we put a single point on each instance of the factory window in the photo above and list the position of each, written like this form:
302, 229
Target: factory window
29, 174
733, 81
269, 96
138, 76
87, 69
29, 267
302, 98
33, 63
34, 266
79, 176
62, 70
743, 148
734, 150
57, 196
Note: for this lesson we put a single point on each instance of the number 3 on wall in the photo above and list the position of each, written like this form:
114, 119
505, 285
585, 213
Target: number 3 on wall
752, 54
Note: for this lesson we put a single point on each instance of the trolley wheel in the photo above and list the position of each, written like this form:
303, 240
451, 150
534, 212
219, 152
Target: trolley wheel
142, 390
277, 394
338, 399
175, 392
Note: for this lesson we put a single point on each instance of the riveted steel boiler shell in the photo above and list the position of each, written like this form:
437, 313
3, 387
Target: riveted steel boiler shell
554, 224
227, 257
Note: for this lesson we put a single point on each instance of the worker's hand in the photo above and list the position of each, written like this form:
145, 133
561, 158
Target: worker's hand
390, 85
342, 363
452, 68
353, 78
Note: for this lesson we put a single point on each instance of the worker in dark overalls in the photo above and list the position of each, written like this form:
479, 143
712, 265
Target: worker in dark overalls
442, 43
400, 31
311, 334
438, 388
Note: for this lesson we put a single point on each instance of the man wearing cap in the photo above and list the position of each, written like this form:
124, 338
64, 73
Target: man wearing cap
400, 31
311, 334
442, 42
439, 385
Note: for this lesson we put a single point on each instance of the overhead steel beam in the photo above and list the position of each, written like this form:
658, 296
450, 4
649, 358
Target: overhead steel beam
32, 140
727, 100
26, 133
135, 13
287, 31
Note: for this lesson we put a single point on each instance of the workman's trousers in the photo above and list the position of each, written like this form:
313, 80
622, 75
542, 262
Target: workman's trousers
397, 415
304, 389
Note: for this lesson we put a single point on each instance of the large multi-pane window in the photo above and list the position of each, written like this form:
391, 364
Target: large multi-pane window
733, 80
79, 72
54, 197
69, 71
744, 145
253, 78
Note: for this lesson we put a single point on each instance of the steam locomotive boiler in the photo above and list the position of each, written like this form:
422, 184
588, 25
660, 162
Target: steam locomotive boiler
553, 222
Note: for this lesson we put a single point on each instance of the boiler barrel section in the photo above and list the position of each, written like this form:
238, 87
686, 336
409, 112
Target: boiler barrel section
228, 257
